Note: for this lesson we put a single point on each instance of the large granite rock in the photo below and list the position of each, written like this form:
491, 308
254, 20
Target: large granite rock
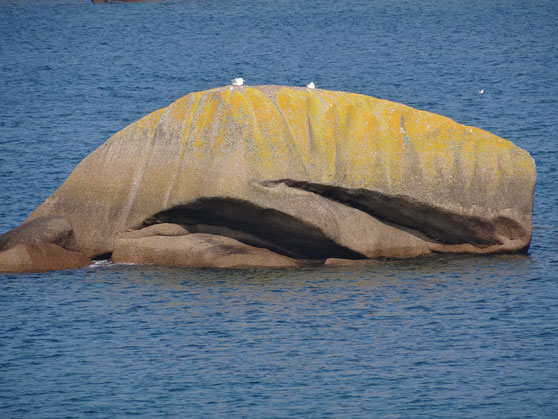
306, 174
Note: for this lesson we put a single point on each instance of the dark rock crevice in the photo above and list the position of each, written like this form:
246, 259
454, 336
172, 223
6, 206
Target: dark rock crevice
255, 226
102, 256
436, 223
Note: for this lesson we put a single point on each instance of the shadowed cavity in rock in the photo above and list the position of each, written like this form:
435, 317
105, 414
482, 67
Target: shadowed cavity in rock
437, 223
253, 225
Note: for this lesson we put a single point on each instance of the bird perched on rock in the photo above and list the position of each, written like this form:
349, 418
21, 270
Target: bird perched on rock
239, 81
311, 85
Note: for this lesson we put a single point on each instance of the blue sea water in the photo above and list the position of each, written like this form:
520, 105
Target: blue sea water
447, 336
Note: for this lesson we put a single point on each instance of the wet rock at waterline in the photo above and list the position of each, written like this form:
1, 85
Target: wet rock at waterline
303, 173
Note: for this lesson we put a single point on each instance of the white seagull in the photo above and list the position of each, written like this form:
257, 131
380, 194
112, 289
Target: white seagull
481, 91
311, 85
239, 81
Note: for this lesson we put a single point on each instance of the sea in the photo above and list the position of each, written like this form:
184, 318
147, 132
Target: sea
450, 336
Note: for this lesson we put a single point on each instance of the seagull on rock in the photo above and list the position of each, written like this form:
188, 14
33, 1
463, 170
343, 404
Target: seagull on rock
311, 85
239, 81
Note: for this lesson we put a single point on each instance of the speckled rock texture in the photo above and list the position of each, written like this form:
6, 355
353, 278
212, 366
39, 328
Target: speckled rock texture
304, 173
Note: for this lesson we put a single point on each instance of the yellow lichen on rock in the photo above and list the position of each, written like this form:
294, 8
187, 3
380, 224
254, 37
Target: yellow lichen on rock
444, 182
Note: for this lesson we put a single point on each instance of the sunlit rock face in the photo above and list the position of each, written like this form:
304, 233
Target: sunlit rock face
304, 173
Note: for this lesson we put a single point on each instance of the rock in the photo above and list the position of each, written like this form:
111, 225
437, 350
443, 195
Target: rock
196, 250
53, 229
305, 173
164, 229
40, 257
